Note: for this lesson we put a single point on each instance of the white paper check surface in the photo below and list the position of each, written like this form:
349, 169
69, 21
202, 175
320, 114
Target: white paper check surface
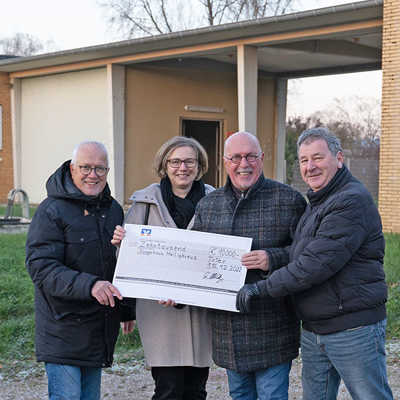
189, 267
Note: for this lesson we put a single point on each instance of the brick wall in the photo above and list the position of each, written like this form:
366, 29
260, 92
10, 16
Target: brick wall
6, 162
389, 174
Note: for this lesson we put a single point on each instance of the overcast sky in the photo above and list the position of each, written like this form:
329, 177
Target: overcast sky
79, 23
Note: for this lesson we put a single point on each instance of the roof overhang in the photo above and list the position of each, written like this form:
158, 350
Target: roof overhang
344, 38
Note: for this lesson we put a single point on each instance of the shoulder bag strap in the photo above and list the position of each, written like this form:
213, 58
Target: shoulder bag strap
146, 215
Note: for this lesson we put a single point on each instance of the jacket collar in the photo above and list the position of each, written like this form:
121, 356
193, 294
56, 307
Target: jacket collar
228, 188
152, 194
342, 176
60, 185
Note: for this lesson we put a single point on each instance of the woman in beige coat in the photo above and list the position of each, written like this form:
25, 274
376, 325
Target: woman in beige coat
175, 338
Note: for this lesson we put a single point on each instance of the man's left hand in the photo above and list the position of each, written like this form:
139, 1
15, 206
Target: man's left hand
104, 292
244, 296
256, 259
128, 326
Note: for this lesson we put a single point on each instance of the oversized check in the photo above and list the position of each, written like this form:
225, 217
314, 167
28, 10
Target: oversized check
189, 267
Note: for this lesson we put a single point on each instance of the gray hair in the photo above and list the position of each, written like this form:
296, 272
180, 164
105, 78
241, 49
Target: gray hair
99, 145
243, 133
163, 153
310, 135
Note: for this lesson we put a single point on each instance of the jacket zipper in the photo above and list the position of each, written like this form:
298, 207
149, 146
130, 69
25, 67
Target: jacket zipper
336, 290
242, 197
96, 215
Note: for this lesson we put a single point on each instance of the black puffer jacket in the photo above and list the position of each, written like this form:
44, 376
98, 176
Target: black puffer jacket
68, 249
337, 254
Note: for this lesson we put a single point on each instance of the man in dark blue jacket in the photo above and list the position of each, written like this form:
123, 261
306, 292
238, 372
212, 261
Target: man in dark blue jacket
336, 278
71, 262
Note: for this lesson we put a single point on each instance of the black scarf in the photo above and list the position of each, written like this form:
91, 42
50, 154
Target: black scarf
181, 210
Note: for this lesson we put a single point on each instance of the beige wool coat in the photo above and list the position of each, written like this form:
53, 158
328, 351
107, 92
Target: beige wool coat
170, 336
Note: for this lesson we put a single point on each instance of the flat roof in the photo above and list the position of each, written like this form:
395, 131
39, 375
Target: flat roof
335, 39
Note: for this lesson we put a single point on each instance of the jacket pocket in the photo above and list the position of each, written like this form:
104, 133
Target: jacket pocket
81, 249
81, 237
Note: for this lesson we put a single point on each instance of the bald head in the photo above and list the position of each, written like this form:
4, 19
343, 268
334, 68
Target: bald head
242, 136
243, 160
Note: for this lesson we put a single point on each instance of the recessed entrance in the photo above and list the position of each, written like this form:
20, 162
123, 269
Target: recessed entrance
208, 134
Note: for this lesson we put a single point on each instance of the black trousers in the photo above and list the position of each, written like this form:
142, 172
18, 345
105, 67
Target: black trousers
179, 383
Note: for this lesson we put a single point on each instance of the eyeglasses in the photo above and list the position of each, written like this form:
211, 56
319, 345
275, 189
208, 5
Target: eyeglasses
99, 171
237, 158
176, 162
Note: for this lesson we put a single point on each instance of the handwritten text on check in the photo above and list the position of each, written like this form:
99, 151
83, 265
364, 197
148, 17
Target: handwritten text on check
188, 267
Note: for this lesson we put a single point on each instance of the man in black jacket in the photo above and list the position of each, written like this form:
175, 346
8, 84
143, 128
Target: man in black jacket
71, 262
336, 278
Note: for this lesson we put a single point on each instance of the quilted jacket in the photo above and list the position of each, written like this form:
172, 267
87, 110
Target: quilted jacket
336, 269
67, 250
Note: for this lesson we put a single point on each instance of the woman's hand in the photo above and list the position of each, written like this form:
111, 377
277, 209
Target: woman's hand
119, 234
167, 303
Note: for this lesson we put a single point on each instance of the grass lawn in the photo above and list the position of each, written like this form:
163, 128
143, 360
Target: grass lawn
392, 270
16, 300
16, 304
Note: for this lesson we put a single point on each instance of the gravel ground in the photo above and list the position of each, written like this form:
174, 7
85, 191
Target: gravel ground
130, 380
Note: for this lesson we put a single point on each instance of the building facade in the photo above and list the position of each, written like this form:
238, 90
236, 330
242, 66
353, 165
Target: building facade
134, 95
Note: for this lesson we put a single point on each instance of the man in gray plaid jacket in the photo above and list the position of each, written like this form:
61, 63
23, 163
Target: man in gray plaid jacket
256, 348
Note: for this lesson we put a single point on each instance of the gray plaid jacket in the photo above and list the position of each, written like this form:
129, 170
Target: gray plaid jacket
268, 213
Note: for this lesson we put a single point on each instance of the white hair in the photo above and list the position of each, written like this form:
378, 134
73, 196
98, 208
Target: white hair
99, 145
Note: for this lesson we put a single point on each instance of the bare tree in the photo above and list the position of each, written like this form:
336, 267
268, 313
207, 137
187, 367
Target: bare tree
216, 10
254, 9
364, 112
147, 17
355, 120
144, 17
23, 44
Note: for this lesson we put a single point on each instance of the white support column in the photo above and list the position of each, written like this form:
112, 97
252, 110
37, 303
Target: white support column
116, 99
16, 131
247, 78
281, 102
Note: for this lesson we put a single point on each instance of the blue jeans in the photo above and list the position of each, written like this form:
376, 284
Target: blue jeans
355, 355
266, 384
68, 382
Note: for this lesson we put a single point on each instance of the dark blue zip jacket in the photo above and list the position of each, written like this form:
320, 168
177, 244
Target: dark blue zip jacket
67, 250
336, 271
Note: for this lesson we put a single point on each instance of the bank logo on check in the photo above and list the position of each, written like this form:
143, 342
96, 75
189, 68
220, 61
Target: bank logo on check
145, 232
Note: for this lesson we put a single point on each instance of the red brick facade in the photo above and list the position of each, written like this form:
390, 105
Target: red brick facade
6, 158
389, 172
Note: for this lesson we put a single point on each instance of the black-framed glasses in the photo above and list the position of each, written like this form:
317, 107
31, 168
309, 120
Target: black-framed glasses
98, 170
237, 158
176, 162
